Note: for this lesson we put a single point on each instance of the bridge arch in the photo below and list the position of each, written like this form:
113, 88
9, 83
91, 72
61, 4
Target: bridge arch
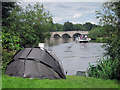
66, 35
76, 35
56, 36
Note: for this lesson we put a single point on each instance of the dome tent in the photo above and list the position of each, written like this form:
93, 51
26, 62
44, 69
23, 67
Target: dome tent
35, 63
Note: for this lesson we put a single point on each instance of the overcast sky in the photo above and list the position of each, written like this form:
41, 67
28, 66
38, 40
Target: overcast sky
75, 12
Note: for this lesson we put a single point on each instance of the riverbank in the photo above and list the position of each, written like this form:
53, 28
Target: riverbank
99, 40
70, 82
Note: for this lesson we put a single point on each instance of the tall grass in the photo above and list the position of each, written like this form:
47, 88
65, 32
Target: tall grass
105, 69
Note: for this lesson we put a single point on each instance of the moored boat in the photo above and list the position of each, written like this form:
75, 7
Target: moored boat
81, 39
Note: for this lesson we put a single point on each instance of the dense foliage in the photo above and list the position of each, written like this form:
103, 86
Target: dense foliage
58, 27
27, 27
110, 18
6, 8
105, 69
89, 26
98, 34
69, 26
30, 25
79, 27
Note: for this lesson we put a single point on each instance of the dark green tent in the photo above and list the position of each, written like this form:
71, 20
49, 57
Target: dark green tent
35, 63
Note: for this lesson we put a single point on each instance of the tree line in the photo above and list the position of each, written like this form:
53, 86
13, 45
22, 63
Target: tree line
69, 26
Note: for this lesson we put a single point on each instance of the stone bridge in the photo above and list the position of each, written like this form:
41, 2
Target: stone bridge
69, 33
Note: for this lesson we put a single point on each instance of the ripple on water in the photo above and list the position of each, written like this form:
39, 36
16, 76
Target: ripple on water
83, 57
67, 51
69, 56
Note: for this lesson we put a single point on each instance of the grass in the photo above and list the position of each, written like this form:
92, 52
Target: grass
0, 81
70, 82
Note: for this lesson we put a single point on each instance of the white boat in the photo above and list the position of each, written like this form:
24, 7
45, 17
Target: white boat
83, 40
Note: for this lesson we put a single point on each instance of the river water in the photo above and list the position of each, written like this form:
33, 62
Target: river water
75, 56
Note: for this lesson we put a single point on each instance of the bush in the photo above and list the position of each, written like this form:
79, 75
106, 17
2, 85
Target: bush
96, 33
6, 58
101, 40
10, 41
105, 69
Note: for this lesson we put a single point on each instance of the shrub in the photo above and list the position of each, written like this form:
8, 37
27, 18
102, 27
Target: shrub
6, 58
105, 69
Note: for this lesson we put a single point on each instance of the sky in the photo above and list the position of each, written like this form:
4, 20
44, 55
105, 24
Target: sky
75, 12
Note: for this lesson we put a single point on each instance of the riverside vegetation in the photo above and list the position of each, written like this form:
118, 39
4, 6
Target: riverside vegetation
28, 27
108, 67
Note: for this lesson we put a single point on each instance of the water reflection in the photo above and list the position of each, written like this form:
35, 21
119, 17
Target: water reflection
57, 41
74, 56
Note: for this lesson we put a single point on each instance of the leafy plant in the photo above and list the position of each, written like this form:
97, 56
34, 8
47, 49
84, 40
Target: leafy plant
10, 41
105, 69
6, 58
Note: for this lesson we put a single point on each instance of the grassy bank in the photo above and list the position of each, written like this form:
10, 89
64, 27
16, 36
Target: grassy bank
70, 82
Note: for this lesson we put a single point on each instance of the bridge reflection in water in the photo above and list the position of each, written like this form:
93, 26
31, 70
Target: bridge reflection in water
56, 41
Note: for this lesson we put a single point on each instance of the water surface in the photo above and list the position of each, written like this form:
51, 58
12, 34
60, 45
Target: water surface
75, 56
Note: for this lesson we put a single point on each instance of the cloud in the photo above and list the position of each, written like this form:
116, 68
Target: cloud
77, 15
57, 19
77, 22
83, 22
93, 22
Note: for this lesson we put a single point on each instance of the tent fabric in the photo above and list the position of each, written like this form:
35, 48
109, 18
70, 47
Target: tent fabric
35, 63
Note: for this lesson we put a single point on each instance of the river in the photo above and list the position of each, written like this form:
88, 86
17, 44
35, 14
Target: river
75, 56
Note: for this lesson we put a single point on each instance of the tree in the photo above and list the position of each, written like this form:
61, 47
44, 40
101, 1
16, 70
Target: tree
68, 26
89, 26
7, 7
96, 33
79, 27
59, 27
109, 17
31, 26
